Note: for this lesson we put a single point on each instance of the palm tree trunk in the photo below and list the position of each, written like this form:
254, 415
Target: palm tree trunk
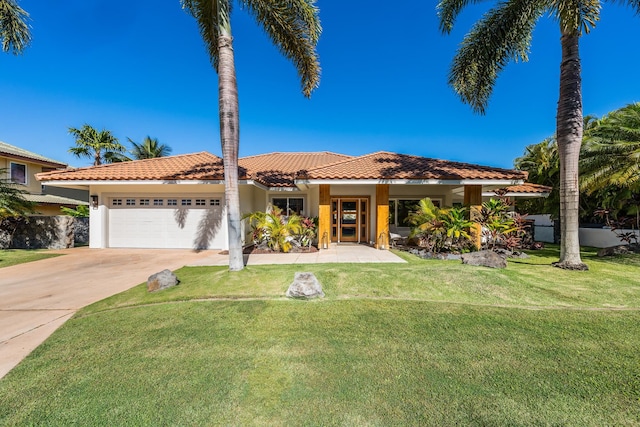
230, 140
569, 126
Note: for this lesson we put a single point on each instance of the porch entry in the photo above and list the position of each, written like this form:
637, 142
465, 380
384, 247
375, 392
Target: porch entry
350, 219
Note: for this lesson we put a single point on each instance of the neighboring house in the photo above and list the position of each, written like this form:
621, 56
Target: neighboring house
178, 201
21, 166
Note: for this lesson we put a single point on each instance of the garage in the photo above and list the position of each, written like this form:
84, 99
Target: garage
161, 221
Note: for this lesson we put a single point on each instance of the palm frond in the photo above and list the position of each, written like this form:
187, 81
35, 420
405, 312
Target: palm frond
294, 27
448, 11
502, 35
576, 16
15, 34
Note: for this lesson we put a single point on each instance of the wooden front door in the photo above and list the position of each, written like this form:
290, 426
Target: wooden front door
350, 219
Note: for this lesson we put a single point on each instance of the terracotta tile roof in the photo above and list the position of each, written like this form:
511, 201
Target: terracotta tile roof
280, 169
11, 151
527, 188
197, 166
401, 166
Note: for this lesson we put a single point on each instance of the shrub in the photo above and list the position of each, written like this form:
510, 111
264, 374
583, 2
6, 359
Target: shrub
279, 232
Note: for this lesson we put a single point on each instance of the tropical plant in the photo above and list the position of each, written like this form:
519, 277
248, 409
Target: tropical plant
14, 30
504, 34
497, 223
12, 200
275, 230
294, 27
101, 146
81, 211
439, 229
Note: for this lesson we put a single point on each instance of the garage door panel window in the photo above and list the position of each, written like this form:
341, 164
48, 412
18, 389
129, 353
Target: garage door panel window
150, 203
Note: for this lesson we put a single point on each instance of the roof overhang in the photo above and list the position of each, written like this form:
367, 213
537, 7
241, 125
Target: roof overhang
492, 182
529, 195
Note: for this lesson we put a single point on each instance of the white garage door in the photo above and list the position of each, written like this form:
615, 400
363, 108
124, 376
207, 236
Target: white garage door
167, 222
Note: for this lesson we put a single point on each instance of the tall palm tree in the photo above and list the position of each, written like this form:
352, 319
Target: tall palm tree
294, 27
101, 146
504, 34
611, 152
14, 30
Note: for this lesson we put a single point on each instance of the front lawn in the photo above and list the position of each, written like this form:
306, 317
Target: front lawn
19, 256
423, 343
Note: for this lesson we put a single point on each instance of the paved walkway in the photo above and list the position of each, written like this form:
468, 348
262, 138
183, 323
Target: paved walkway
37, 298
337, 253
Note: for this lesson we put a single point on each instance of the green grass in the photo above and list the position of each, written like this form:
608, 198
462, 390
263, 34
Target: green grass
423, 343
10, 257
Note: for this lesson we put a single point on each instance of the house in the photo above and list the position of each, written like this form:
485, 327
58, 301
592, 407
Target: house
178, 201
21, 166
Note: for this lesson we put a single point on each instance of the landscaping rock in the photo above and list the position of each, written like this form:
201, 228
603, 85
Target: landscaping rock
614, 250
162, 280
485, 259
305, 285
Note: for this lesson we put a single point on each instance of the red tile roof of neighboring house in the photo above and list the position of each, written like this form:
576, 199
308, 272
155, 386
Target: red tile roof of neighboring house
385, 165
527, 188
197, 166
280, 169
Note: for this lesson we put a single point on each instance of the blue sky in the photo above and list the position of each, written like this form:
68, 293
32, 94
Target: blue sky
140, 68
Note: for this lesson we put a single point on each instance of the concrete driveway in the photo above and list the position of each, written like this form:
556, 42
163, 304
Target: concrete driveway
37, 297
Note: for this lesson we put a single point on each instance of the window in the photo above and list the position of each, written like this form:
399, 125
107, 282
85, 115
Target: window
172, 202
289, 205
158, 202
185, 202
399, 210
116, 202
131, 202
214, 202
201, 202
144, 202
18, 173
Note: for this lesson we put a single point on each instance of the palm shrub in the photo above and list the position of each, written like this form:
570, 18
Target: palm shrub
438, 229
275, 230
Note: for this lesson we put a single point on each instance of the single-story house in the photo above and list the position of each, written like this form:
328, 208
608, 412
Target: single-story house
20, 167
178, 201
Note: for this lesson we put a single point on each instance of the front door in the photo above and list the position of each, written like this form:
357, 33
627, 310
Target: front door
350, 219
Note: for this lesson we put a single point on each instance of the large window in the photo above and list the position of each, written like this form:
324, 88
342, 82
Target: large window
289, 205
399, 210
18, 173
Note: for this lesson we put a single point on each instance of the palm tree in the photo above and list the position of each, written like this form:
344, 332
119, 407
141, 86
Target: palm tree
294, 27
14, 30
101, 146
611, 152
150, 148
504, 34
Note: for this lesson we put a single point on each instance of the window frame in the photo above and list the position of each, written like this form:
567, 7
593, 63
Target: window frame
288, 209
437, 201
25, 173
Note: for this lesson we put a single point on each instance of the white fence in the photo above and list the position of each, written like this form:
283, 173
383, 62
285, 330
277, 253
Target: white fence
596, 237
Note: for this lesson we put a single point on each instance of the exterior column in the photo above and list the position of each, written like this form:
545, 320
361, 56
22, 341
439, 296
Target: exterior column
324, 216
473, 199
382, 216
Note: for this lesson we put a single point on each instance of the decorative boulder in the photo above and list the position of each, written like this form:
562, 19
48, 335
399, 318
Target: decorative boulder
162, 280
305, 285
485, 259
614, 250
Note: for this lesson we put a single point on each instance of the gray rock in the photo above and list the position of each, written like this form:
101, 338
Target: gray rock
614, 250
162, 280
485, 259
305, 285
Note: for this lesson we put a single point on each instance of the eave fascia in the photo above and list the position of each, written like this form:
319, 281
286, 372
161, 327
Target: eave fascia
527, 195
497, 182
66, 183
